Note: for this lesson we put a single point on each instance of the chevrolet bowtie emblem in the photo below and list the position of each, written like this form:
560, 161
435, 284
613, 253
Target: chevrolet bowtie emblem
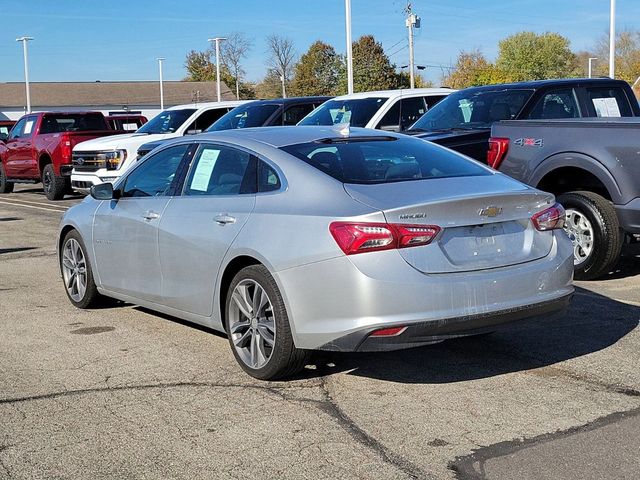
492, 211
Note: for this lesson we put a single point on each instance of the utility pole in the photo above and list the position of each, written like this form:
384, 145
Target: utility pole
160, 60
284, 92
347, 6
217, 41
24, 41
612, 40
591, 59
412, 21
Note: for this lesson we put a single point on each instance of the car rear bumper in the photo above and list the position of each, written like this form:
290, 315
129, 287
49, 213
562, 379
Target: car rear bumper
629, 216
335, 304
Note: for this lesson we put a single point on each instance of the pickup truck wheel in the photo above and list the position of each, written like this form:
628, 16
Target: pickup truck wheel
54, 187
592, 226
5, 187
77, 273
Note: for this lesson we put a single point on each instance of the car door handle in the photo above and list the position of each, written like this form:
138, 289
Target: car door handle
149, 215
224, 218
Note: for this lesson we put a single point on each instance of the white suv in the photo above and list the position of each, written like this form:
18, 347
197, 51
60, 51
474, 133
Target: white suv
105, 159
391, 110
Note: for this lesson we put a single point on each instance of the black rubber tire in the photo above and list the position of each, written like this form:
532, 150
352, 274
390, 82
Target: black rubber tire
286, 360
55, 187
5, 187
91, 296
608, 236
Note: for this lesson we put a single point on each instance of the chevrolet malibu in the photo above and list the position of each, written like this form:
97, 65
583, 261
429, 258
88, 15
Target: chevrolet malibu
318, 238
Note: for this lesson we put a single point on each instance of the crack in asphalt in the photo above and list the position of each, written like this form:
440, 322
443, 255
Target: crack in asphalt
4, 467
327, 406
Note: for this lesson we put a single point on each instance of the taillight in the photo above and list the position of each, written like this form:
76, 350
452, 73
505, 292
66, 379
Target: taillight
550, 218
355, 238
388, 332
498, 148
65, 150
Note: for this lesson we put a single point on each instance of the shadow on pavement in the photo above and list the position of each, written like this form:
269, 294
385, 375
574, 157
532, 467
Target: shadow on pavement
628, 266
592, 323
16, 249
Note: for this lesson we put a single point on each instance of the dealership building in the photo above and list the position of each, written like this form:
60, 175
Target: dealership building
106, 97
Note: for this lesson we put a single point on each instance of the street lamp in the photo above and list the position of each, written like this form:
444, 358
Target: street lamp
591, 59
160, 60
347, 7
612, 40
217, 41
24, 41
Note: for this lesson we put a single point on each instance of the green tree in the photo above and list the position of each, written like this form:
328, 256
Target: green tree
529, 56
318, 72
372, 69
627, 55
471, 69
200, 68
270, 86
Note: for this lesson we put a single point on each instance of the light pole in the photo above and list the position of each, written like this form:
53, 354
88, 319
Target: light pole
217, 41
612, 40
24, 41
284, 92
591, 59
160, 60
347, 6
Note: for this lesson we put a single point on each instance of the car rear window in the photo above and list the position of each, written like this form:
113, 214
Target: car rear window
357, 112
52, 123
244, 117
167, 122
373, 160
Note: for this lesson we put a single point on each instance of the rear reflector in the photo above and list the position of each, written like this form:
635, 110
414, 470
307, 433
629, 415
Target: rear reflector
498, 148
550, 218
388, 332
355, 238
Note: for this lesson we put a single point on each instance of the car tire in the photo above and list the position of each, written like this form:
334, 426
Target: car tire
76, 269
592, 225
54, 187
261, 342
5, 186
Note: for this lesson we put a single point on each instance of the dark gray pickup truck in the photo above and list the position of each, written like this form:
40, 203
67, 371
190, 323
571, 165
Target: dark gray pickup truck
593, 166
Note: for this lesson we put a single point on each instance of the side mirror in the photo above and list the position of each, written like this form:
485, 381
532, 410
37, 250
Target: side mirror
4, 137
103, 191
193, 132
389, 128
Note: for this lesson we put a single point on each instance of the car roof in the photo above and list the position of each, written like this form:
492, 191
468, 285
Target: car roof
404, 92
289, 100
536, 84
206, 105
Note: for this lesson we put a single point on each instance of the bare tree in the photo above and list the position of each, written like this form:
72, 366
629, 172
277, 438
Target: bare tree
282, 57
232, 52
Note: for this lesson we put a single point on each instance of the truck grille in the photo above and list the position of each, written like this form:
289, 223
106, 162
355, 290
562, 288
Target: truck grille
88, 161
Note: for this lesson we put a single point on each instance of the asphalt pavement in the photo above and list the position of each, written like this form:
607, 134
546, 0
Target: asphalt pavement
123, 392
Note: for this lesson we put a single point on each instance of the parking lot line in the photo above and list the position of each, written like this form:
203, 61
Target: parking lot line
49, 208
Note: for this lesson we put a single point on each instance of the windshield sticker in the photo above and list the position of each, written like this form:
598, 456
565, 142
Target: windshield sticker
607, 107
202, 175
28, 127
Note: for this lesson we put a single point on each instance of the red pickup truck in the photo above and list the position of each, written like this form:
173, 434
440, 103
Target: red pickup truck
39, 147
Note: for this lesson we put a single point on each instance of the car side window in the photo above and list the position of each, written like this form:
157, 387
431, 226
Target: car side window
219, 170
431, 100
295, 113
559, 103
412, 109
205, 120
391, 119
609, 102
156, 175
16, 131
268, 179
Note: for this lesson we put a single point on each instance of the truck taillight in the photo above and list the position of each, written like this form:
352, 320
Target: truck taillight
498, 148
355, 238
65, 150
549, 219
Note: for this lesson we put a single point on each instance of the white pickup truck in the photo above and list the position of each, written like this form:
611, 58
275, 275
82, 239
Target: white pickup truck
105, 159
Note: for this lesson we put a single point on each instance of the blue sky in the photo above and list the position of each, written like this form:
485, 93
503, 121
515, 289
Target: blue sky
86, 40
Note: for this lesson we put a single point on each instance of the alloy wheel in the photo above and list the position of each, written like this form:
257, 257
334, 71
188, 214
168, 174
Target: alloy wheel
252, 324
581, 233
74, 269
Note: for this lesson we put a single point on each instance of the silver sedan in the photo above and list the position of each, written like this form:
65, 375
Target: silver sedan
298, 239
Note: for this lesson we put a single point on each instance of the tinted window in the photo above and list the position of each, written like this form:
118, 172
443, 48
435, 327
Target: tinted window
52, 123
295, 113
391, 119
609, 102
168, 121
244, 117
384, 160
560, 103
431, 100
473, 109
16, 131
155, 176
220, 170
206, 119
412, 109
356, 112
268, 179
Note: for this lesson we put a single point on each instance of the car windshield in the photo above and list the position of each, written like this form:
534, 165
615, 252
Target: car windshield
473, 109
167, 122
70, 122
244, 117
357, 112
373, 160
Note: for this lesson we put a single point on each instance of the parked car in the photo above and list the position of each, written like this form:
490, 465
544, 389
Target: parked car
259, 113
463, 120
126, 122
5, 127
390, 110
295, 239
105, 160
592, 165
39, 146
